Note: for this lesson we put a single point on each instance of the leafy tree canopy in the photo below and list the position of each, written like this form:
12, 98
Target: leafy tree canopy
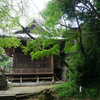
82, 43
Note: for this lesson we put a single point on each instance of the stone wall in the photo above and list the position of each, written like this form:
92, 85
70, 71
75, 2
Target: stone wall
64, 73
3, 82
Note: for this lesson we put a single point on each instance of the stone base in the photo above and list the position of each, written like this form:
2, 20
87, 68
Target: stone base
3, 82
64, 73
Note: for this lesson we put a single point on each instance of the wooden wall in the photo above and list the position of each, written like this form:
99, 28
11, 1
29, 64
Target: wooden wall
23, 64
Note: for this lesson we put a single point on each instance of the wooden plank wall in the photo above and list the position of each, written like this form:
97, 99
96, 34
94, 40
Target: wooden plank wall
23, 64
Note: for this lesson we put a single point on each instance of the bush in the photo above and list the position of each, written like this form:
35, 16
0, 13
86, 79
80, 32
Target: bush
70, 90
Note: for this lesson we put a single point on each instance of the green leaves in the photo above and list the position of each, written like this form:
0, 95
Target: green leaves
55, 50
52, 13
6, 21
9, 42
42, 48
4, 59
48, 42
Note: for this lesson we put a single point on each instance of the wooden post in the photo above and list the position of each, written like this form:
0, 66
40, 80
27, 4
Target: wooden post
37, 79
52, 63
14, 65
53, 79
20, 80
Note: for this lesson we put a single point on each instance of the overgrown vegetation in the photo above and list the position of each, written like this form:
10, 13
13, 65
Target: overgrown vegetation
5, 60
78, 22
82, 44
69, 90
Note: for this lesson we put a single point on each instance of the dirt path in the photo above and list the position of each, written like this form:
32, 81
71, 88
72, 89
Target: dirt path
26, 89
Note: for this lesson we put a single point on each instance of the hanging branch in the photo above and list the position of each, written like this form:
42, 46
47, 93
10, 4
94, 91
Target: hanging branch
80, 39
65, 63
65, 26
27, 32
36, 7
94, 10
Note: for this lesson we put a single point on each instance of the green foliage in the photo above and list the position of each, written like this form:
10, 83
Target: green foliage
5, 60
39, 51
97, 4
7, 22
52, 16
82, 44
48, 42
66, 90
31, 45
71, 46
9, 42
69, 90
41, 32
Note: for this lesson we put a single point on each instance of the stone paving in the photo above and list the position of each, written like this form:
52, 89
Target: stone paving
24, 89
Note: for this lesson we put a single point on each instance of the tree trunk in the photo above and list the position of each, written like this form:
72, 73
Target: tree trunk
80, 40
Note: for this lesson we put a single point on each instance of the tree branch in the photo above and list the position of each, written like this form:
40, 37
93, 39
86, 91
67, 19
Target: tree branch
65, 63
80, 38
94, 10
64, 25
80, 7
27, 32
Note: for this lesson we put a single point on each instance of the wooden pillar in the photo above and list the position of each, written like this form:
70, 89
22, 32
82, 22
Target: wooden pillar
13, 64
21, 80
53, 79
37, 79
52, 63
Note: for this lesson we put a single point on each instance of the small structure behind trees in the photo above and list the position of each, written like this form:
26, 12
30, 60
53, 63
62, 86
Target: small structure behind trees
45, 65
24, 68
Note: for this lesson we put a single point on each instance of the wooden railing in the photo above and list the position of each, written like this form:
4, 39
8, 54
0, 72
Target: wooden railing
32, 70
